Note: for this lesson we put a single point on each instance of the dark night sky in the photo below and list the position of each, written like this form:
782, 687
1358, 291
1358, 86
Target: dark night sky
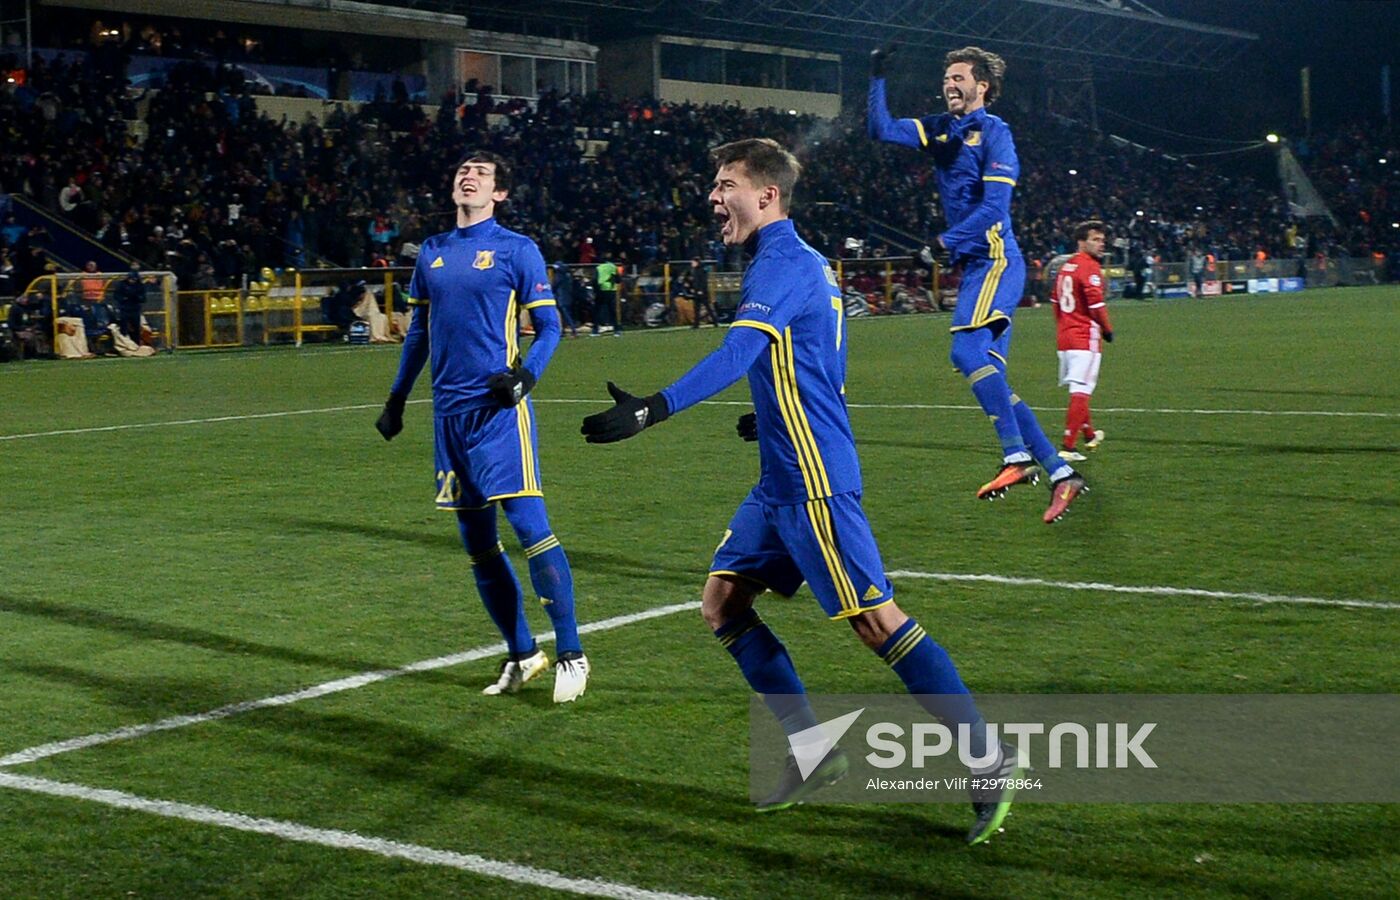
1345, 42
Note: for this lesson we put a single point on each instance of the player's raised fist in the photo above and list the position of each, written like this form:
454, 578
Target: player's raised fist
879, 58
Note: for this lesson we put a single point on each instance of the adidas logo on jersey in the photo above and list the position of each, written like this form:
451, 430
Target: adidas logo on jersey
437, 263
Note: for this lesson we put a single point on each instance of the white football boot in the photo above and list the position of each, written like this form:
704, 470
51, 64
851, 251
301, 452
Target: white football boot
570, 679
514, 674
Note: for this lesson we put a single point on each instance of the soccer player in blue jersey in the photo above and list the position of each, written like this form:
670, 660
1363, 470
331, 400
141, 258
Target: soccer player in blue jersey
976, 168
803, 521
468, 288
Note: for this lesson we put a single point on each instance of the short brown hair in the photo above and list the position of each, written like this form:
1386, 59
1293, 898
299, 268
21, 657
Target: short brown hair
486, 156
1081, 231
986, 66
766, 162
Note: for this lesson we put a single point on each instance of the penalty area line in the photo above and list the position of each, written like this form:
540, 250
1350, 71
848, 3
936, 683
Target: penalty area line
353, 682
338, 840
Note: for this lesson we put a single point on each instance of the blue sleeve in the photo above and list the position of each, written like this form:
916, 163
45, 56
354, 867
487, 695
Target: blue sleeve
535, 293
547, 335
906, 132
415, 353
726, 365
415, 343
418, 294
1000, 170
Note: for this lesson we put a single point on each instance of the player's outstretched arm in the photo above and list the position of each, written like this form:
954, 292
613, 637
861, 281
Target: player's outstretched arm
628, 417
631, 415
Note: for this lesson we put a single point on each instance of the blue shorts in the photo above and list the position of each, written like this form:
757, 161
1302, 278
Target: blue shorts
826, 543
485, 455
989, 293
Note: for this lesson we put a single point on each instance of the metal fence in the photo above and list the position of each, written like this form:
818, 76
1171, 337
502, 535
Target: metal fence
293, 307
67, 295
299, 306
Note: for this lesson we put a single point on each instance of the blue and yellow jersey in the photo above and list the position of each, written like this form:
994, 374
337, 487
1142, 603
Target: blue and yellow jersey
473, 283
789, 293
975, 165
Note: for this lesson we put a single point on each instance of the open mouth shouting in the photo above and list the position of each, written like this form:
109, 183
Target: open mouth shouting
726, 224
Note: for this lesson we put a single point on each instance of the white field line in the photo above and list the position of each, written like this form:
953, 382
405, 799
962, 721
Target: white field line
44, 751
339, 840
1154, 590
602, 401
351, 683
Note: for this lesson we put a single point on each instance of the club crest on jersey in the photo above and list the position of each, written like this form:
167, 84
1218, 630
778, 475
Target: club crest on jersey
485, 259
972, 139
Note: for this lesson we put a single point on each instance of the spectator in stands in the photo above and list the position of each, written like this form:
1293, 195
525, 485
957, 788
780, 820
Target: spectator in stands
7, 273
31, 322
13, 233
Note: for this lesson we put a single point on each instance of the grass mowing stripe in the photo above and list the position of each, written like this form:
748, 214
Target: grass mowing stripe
1161, 590
44, 751
340, 840
930, 406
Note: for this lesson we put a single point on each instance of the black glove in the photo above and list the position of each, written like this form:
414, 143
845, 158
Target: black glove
627, 419
509, 388
879, 58
1108, 336
390, 421
748, 426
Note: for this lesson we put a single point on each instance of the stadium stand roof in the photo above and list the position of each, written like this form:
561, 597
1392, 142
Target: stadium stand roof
1124, 35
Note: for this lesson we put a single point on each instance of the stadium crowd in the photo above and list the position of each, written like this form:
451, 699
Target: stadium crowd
193, 179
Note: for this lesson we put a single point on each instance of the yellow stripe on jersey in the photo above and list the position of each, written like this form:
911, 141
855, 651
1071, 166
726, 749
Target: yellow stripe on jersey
414, 301
819, 514
800, 414
540, 303
1002, 178
997, 355
512, 327
923, 138
799, 428
761, 326
775, 354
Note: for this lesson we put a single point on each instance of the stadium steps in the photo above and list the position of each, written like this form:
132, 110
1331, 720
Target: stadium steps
69, 246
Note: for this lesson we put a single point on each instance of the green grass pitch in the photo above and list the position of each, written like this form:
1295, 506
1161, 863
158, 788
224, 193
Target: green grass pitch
232, 551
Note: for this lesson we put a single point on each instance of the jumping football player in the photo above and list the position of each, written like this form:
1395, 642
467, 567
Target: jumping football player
976, 168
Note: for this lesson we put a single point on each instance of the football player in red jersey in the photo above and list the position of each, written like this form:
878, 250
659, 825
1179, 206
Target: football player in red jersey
1081, 319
